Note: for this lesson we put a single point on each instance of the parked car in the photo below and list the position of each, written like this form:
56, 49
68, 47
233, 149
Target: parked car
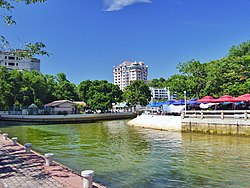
147, 112
89, 112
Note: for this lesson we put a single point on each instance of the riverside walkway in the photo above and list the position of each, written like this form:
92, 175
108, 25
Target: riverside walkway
19, 169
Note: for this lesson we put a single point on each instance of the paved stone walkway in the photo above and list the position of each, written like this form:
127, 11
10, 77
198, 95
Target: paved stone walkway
21, 170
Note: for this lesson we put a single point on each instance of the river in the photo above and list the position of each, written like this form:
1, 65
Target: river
123, 156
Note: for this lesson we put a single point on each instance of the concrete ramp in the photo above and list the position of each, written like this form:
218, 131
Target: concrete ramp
161, 122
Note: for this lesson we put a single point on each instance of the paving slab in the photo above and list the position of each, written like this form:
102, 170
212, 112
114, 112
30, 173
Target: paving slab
19, 169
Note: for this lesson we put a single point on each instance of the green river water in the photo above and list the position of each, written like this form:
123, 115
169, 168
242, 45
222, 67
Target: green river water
123, 156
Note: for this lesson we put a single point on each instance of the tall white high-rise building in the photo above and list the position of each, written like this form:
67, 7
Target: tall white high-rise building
11, 60
129, 71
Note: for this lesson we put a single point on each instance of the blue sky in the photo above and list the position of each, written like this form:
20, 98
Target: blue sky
86, 38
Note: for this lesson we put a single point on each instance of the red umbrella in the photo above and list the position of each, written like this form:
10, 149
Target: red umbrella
224, 98
245, 97
206, 99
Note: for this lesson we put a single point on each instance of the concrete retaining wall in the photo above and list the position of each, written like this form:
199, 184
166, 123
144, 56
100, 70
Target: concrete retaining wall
72, 118
229, 126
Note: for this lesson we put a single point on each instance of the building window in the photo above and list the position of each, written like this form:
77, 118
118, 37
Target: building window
16, 64
11, 57
11, 64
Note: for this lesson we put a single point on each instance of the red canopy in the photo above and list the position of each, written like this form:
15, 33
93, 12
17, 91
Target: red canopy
224, 98
245, 97
206, 99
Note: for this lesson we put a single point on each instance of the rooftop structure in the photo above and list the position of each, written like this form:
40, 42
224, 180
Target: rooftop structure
11, 60
129, 71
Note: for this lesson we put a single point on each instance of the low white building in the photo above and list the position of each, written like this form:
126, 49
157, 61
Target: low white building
61, 106
11, 61
160, 93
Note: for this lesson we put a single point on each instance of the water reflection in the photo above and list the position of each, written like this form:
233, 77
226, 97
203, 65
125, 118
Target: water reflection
217, 161
125, 156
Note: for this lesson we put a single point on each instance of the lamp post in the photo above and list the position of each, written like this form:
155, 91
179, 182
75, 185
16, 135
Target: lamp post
168, 92
185, 99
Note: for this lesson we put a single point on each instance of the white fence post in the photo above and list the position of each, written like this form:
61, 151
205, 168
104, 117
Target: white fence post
182, 115
222, 115
87, 178
27, 147
5, 136
245, 115
14, 140
48, 159
202, 115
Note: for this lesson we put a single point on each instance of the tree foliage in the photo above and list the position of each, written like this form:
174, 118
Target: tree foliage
24, 88
99, 95
137, 93
242, 50
7, 6
228, 75
195, 73
157, 83
65, 90
177, 83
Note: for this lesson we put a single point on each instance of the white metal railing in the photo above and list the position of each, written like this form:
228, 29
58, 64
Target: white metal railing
221, 114
4, 112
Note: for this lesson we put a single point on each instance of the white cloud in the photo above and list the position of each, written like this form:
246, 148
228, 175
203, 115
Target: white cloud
114, 5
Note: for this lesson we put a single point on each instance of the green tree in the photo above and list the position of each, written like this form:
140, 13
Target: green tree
65, 89
228, 75
101, 95
82, 90
137, 92
242, 50
5, 89
51, 88
157, 83
214, 79
16, 81
196, 76
178, 83
33, 88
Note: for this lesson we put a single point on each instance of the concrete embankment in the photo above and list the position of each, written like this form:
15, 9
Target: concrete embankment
168, 123
72, 118
222, 122
229, 126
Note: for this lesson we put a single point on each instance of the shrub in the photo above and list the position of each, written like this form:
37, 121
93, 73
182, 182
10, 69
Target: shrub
59, 113
65, 113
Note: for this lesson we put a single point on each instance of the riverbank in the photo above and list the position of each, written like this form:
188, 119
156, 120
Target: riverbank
71, 118
28, 170
167, 123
